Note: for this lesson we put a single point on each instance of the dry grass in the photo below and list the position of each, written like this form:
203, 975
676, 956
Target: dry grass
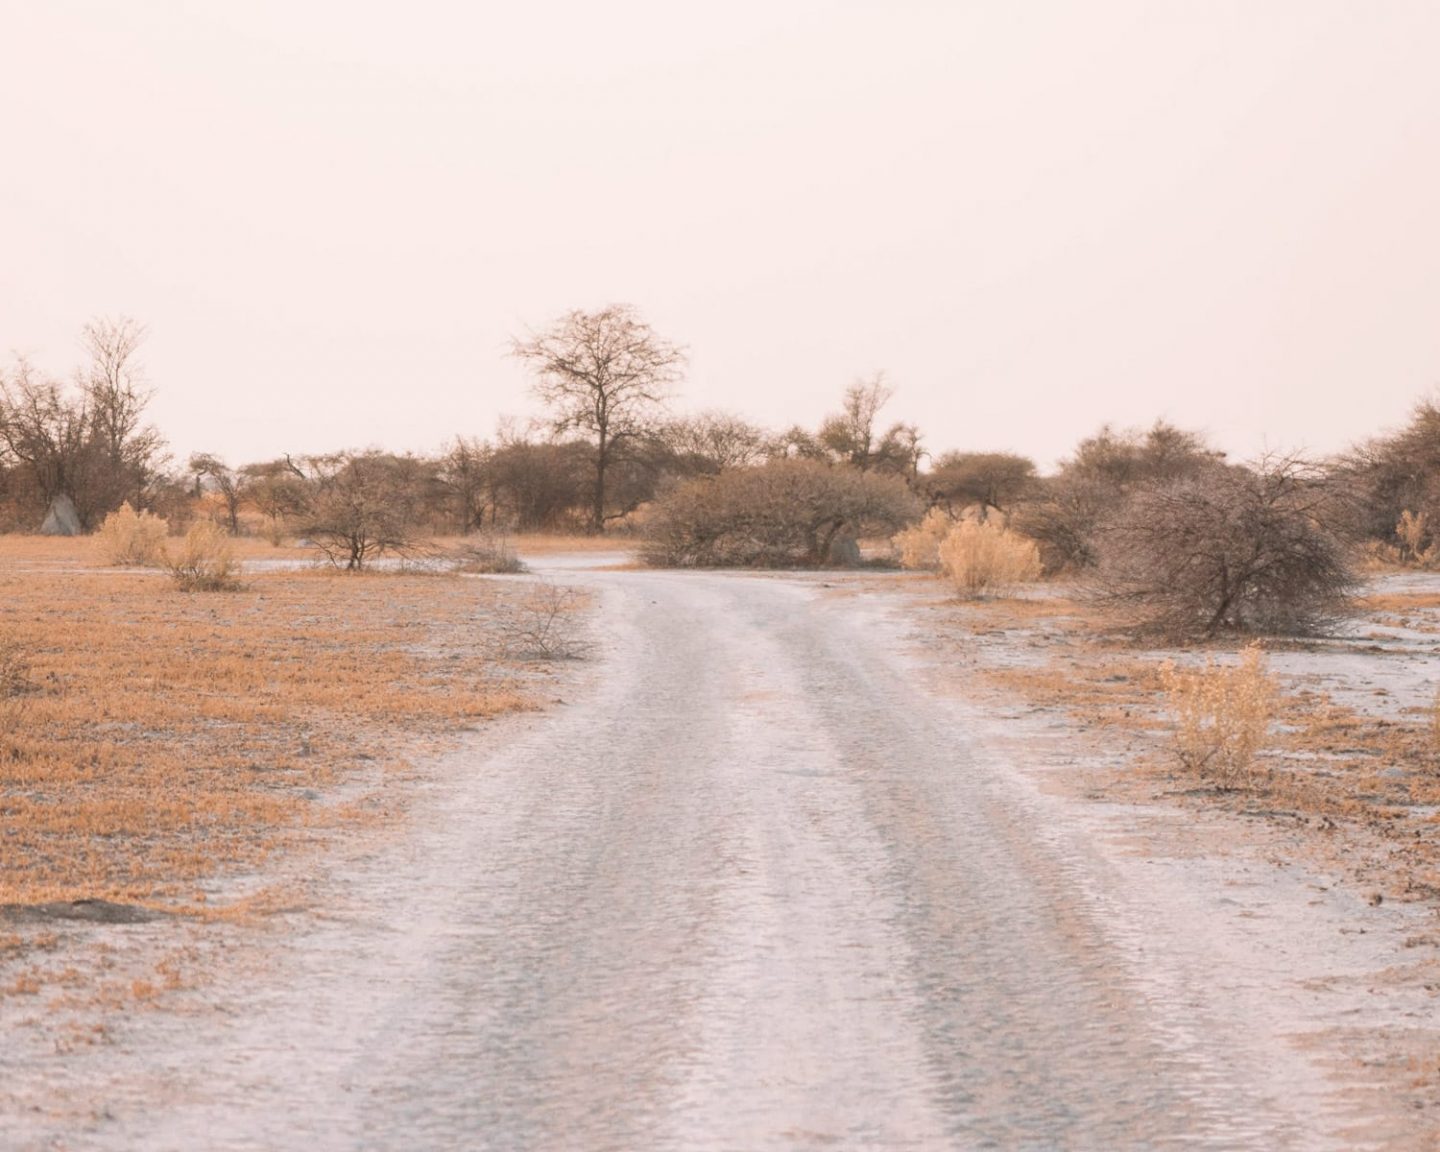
984, 559
1222, 716
174, 738
205, 562
131, 539
919, 545
545, 544
1368, 784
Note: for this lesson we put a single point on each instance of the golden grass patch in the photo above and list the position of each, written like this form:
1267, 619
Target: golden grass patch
167, 738
1326, 764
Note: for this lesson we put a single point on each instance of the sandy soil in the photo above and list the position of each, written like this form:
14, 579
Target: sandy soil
771, 874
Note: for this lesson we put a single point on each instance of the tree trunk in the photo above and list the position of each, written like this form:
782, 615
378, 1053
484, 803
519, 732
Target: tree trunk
597, 511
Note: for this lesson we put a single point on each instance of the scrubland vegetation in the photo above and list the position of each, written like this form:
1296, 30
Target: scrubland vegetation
149, 737
151, 743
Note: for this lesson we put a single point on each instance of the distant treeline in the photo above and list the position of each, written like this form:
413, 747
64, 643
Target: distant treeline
609, 447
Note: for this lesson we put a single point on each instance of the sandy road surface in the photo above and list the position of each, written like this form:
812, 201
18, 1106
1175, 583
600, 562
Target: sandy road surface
752, 887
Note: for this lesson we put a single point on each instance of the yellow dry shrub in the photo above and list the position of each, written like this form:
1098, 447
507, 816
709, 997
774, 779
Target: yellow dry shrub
1222, 716
1413, 532
984, 559
206, 560
919, 545
131, 538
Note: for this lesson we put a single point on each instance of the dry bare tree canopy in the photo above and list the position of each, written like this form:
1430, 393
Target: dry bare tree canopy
606, 375
362, 505
86, 443
1237, 550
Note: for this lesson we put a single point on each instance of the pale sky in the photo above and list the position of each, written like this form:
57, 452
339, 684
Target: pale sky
1034, 217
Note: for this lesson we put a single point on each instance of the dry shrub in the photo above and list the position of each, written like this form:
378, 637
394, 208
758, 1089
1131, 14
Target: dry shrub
486, 554
984, 559
1222, 716
919, 545
132, 539
1256, 549
782, 514
206, 562
544, 625
1417, 546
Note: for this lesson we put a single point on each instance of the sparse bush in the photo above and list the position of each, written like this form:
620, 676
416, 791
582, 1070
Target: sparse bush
919, 545
985, 559
1241, 550
1222, 716
206, 561
783, 514
544, 624
486, 553
132, 539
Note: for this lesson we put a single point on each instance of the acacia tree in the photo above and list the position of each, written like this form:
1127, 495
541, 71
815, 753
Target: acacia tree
852, 436
607, 375
361, 505
993, 480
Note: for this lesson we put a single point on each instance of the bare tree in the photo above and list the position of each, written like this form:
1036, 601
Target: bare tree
607, 375
1239, 550
47, 432
852, 436
86, 445
114, 386
467, 476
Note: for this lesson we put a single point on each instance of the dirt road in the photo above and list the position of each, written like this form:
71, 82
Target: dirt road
753, 886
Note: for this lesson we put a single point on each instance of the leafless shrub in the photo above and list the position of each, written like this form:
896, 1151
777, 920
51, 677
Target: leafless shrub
986, 559
783, 514
545, 624
206, 561
1239, 550
919, 545
486, 553
1222, 716
132, 539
